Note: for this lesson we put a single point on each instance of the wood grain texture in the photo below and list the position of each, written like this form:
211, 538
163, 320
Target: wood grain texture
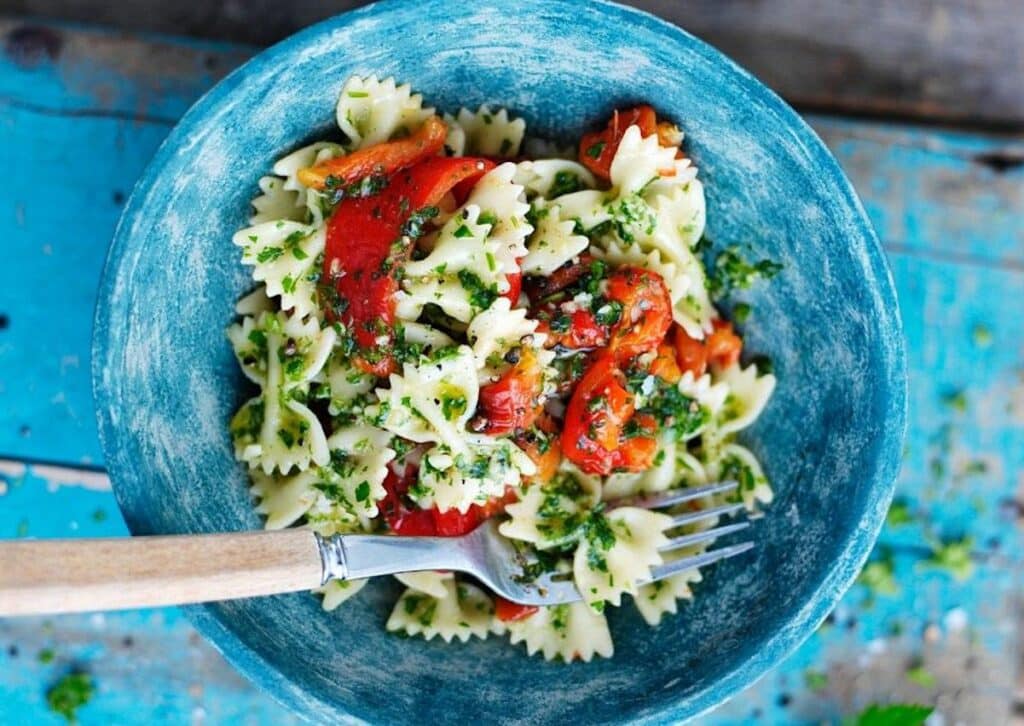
49, 577
949, 60
947, 205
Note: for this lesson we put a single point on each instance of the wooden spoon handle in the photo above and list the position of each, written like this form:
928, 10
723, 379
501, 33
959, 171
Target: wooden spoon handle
68, 576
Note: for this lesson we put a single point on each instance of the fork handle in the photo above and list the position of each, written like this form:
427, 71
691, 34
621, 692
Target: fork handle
67, 576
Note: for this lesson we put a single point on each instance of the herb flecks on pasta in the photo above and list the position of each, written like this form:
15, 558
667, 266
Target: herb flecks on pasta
444, 332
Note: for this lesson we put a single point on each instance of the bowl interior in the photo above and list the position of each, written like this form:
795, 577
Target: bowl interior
166, 382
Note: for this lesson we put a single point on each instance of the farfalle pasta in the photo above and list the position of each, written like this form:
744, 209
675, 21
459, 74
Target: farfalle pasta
444, 332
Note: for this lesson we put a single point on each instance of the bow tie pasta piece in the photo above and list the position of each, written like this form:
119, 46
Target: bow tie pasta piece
484, 133
732, 462
464, 612
434, 584
748, 395
336, 592
286, 256
483, 470
347, 387
551, 178
458, 298
617, 550
432, 399
570, 632
276, 430
370, 111
553, 242
553, 513
502, 330
502, 202
463, 245
339, 496
640, 161
588, 209
661, 597
478, 247
680, 213
352, 482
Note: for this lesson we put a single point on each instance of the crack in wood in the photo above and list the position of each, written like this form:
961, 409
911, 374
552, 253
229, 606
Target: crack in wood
99, 113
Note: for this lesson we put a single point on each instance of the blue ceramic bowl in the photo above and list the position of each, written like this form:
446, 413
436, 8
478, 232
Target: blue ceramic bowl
166, 382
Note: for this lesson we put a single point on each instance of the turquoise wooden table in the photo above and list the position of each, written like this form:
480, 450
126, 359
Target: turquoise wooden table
935, 618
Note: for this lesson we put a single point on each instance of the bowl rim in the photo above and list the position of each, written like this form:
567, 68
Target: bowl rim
798, 625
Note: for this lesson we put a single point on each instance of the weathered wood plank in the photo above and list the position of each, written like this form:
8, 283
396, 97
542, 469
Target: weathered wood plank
90, 115
952, 60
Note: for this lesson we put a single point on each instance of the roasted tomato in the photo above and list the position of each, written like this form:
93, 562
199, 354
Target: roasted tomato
542, 446
723, 345
367, 240
576, 330
597, 149
646, 311
599, 433
665, 365
379, 160
512, 403
508, 611
691, 354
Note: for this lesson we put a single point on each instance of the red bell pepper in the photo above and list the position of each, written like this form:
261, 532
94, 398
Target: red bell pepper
368, 238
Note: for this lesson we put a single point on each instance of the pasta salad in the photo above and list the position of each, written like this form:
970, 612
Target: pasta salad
453, 322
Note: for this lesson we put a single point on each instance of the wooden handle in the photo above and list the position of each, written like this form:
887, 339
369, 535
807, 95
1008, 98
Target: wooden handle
68, 576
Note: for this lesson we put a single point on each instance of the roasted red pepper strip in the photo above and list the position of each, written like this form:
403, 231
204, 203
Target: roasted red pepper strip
366, 243
378, 160
512, 403
594, 434
646, 311
412, 522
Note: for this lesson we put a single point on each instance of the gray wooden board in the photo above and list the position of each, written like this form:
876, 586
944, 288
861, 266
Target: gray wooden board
956, 61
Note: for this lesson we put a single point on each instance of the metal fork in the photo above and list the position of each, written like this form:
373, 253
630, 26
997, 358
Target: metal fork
496, 562
63, 576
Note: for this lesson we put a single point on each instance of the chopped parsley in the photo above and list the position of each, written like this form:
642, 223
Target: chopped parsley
595, 149
600, 537
730, 272
480, 295
269, 254
565, 182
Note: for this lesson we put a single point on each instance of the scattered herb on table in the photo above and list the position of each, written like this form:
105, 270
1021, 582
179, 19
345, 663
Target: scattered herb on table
46, 655
954, 557
816, 680
897, 714
70, 693
899, 513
